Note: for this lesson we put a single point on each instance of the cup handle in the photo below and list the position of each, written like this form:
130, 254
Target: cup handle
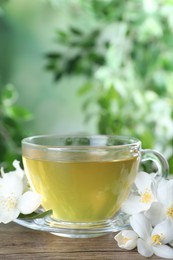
158, 159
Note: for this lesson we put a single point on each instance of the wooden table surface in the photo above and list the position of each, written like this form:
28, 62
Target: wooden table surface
17, 242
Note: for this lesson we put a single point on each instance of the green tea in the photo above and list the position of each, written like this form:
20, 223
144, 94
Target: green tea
82, 191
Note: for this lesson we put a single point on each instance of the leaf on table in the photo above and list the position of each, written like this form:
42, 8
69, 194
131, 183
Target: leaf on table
36, 215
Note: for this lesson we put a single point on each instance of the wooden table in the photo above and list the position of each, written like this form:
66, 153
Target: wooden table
17, 242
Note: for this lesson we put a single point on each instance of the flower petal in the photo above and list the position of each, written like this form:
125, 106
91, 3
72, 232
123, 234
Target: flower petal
133, 205
163, 251
144, 249
154, 186
29, 202
129, 234
7, 216
165, 192
155, 213
11, 183
131, 244
2, 171
18, 170
143, 181
171, 243
165, 230
141, 225
126, 239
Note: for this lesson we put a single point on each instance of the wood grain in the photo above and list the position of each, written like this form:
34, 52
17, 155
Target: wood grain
17, 243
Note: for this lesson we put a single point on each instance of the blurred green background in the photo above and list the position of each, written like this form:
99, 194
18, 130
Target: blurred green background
96, 66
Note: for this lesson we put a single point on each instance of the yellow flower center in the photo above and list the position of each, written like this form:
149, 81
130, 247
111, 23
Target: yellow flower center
169, 212
146, 197
9, 202
156, 239
125, 240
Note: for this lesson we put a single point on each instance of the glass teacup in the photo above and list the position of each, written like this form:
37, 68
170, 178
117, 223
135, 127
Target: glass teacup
84, 179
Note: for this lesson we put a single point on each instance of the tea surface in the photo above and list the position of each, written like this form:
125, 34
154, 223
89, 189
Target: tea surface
82, 191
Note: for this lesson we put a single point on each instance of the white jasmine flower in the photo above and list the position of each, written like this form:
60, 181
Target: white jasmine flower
13, 198
127, 239
144, 197
163, 208
153, 240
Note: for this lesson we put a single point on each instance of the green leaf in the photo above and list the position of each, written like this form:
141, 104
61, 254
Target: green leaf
85, 89
62, 36
36, 215
53, 55
9, 95
19, 113
76, 31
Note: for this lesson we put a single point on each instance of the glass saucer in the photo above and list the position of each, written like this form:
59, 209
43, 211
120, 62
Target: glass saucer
77, 230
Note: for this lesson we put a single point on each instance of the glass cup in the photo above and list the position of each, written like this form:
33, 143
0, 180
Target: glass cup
84, 180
